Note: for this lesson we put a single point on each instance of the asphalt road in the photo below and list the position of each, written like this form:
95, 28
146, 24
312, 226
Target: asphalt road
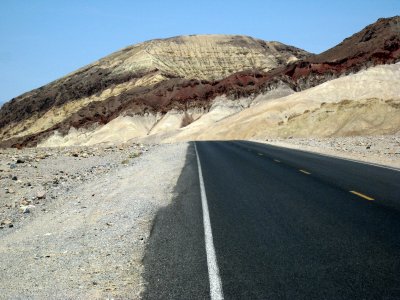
286, 224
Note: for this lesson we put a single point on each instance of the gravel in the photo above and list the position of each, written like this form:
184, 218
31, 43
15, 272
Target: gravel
75, 223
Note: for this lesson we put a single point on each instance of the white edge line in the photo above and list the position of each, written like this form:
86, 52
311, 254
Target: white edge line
329, 155
358, 161
213, 270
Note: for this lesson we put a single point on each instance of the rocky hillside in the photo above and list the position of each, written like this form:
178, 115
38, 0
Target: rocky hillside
139, 78
164, 85
378, 43
366, 103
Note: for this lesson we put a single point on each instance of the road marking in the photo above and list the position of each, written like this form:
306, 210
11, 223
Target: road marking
332, 156
213, 271
260, 154
362, 195
276, 160
359, 161
305, 172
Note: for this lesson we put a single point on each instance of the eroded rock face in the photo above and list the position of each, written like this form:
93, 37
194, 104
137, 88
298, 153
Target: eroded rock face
134, 71
184, 74
376, 44
366, 103
208, 57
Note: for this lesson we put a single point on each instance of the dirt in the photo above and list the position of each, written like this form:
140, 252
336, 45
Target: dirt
75, 221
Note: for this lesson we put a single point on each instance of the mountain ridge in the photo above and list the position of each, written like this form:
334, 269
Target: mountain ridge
143, 65
149, 90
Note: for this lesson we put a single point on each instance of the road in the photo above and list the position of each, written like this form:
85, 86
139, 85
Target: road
286, 224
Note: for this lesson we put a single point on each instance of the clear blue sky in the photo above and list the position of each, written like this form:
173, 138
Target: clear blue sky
42, 40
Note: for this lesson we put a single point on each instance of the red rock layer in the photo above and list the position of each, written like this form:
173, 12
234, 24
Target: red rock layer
376, 44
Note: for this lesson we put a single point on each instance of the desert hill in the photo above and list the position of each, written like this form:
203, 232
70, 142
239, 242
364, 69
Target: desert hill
150, 76
161, 88
366, 103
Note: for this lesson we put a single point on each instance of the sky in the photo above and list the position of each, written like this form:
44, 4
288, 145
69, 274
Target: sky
42, 40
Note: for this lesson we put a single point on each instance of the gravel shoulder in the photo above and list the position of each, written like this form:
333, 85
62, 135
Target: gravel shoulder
90, 212
382, 150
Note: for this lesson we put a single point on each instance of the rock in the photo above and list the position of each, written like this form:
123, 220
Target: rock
13, 166
25, 202
6, 223
20, 161
42, 156
136, 153
14, 178
41, 195
26, 209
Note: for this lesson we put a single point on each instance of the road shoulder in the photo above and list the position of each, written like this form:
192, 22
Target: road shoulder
175, 260
379, 150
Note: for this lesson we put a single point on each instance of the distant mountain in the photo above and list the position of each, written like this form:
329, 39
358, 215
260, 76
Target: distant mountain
378, 43
163, 85
365, 103
131, 79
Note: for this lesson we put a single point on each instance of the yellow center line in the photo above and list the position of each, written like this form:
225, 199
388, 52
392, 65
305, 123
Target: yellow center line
260, 154
362, 195
276, 160
305, 172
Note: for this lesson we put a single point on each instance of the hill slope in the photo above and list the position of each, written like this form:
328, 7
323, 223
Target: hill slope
364, 103
134, 71
163, 85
